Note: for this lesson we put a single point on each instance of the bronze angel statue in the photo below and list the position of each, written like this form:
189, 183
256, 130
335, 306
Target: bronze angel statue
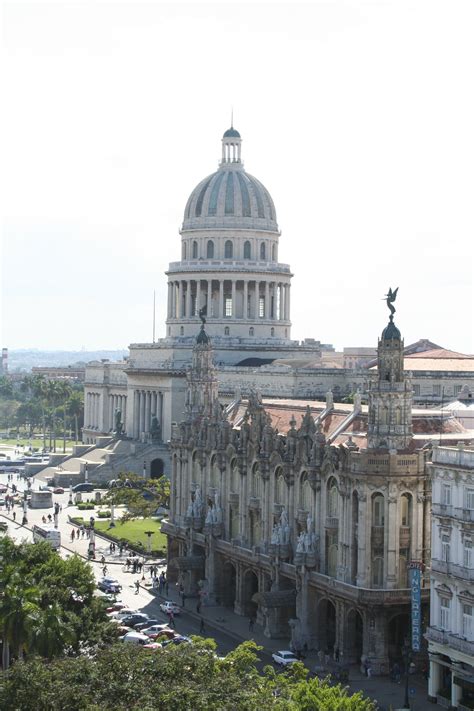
390, 297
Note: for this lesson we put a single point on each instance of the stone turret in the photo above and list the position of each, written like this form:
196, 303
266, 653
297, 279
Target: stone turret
390, 395
202, 387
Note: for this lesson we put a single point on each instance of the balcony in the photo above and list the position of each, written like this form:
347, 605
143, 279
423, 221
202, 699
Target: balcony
405, 535
227, 265
451, 640
452, 569
332, 522
377, 536
450, 511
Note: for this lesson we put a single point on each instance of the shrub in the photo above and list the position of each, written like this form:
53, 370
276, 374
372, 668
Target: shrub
103, 514
85, 506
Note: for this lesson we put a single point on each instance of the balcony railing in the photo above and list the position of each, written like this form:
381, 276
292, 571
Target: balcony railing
332, 522
454, 569
241, 265
434, 634
451, 511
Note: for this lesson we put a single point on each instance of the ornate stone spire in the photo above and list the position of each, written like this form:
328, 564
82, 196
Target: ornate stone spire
390, 393
201, 390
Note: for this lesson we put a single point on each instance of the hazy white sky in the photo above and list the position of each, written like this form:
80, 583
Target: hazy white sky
357, 116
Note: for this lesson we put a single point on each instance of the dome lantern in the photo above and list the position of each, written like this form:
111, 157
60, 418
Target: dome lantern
231, 147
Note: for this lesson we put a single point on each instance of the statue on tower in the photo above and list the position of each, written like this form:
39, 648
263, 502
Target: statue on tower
390, 298
202, 314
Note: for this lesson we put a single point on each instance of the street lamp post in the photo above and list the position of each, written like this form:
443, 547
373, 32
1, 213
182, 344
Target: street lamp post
86, 474
406, 659
70, 494
112, 515
149, 534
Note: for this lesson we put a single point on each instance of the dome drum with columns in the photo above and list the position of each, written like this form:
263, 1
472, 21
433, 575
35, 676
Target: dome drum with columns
229, 265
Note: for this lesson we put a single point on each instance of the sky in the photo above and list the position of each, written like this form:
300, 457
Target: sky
357, 116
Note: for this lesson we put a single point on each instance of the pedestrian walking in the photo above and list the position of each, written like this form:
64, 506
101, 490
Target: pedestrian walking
104, 571
167, 587
251, 624
198, 606
183, 599
14, 515
171, 621
336, 654
137, 587
72, 535
201, 626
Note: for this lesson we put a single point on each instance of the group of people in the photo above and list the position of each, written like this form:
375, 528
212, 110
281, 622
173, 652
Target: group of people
134, 564
82, 532
160, 582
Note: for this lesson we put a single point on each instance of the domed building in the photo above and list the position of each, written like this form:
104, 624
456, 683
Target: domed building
229, 266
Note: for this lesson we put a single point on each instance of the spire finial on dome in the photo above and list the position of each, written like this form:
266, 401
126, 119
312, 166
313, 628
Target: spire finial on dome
231, 143
232, 117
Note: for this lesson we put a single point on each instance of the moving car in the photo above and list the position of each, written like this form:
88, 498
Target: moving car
58, 490
284, 657
85, 486
169, 606
109, 585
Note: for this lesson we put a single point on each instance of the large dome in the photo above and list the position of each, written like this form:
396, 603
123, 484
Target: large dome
230, 197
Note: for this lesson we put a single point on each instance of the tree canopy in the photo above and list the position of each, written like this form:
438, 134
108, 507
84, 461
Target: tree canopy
180, 677
141, 497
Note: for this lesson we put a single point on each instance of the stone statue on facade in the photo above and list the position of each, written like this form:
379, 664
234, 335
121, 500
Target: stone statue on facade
118, 422
275, 539
197, 503
309, 524
357, 401
217, 508
329, 400
155, 429
300, 543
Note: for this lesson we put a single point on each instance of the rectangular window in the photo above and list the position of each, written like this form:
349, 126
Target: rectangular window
445, 604
416, 390
469, 498
467, 553
446, 494
261, 307
445, 548
467, 624
437, 390
457, 389
228, 306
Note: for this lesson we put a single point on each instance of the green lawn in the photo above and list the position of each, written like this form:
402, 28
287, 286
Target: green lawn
134, 531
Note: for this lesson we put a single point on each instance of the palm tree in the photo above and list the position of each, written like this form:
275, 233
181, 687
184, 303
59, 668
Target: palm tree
18, 608
51, 633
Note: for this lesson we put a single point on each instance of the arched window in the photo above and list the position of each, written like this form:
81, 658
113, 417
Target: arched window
398, 416
214, 479
226, 331
274, 252
256, 482
333, 498
184, 250
195, 249
210, 249
384, 415
234, 477
332, 559
378, 510
196, 470
272, 331
263, 251
305, 493
251, 331
405, 505
247, 250
181, 331
228, 250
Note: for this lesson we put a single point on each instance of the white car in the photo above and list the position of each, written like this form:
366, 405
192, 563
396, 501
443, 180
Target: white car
135, 638
169, 606
284, 657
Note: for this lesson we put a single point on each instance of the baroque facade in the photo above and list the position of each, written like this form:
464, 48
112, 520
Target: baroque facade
311, 539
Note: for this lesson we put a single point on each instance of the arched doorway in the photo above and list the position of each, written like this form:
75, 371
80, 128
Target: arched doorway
398, 630
355, 637
157, 468
250, 588
327, 625
227, 585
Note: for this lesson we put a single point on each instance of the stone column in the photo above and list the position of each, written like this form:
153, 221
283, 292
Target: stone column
282, 302
209, 298
179, 286
267, 299
170, 298
288, 290
234, 298
142, 411
124, 412
246, 299
188, 299
160, 410
392, 537
456, 692
198, 296
221, 299
363, 556
274, 299
434, 680
146, 428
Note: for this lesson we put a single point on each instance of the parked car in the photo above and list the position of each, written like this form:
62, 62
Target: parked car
161, 634
86, 486
137, 617
169, 606
284, 657
121, 614
116, 607
178, 639
135, 638
145, 625
152, 646
109, 585
58, 490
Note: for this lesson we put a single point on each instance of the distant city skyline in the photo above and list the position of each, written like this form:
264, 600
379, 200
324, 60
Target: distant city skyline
356, 116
